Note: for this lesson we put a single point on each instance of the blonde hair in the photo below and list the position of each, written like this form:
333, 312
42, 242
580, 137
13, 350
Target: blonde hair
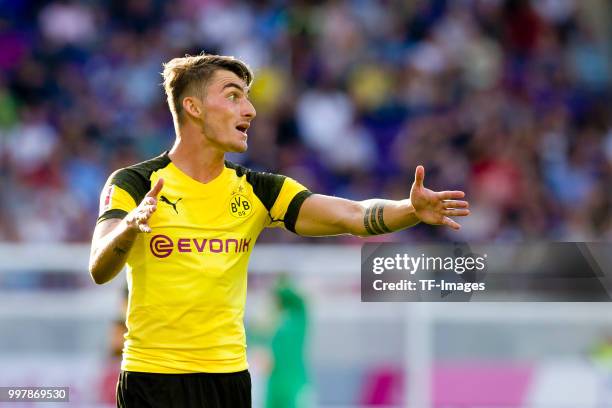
190, 74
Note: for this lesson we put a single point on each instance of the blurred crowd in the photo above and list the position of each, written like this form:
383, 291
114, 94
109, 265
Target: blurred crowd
508, 100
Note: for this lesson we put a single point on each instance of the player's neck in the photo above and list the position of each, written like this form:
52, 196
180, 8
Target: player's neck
200, 164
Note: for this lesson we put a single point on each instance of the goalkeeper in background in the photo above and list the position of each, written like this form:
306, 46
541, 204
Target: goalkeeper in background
288, 382
185, 223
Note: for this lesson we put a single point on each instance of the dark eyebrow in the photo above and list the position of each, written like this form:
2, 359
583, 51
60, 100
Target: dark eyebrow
237, 86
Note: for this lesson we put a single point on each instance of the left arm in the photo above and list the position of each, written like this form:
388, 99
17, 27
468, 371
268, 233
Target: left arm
322, 215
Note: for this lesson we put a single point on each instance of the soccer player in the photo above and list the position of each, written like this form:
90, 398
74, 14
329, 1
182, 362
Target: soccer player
185, 223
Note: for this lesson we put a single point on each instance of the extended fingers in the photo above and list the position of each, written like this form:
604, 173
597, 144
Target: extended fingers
450, 223
450, 195
419, 176
455, 208
455, 204
456, 212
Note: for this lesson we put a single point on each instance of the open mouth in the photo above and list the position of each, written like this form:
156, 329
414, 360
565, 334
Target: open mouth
242, 128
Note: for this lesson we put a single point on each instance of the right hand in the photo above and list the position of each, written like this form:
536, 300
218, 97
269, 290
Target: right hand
138, 218
436, 207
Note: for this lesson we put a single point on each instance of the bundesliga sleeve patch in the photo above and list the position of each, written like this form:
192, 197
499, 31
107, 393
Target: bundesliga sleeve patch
107, 199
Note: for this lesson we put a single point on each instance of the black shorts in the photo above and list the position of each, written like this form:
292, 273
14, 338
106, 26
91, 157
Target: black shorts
201, 390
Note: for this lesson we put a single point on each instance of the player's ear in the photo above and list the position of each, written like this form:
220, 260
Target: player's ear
192, 106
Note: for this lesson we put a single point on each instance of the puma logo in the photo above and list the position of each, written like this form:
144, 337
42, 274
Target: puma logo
173, 204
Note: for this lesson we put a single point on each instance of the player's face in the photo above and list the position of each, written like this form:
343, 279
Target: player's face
227, 112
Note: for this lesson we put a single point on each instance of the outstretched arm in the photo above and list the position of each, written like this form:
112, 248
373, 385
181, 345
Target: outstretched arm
324, 215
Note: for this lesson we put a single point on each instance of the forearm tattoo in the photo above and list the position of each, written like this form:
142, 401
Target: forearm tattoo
373, 220
119, 251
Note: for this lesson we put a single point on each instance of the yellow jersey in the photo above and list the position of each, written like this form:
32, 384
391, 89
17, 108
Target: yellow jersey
187, 279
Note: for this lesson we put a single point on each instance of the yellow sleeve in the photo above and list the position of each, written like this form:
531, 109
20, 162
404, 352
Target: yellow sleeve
287, 206
115, 202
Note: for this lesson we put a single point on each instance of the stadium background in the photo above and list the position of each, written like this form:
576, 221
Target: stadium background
507, 100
